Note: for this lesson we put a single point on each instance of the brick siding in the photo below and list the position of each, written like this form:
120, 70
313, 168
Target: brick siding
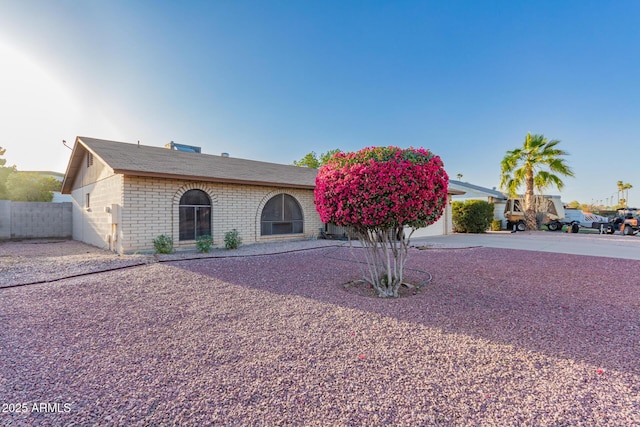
151, 207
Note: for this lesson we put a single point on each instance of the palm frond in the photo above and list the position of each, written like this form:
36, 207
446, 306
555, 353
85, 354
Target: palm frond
539, 156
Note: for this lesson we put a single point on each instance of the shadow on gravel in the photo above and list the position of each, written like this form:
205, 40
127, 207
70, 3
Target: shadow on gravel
576, 307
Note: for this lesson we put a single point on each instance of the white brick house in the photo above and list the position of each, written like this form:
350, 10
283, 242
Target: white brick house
125, 195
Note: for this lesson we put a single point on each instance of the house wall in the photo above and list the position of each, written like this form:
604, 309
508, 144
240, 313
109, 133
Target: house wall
498, 210
441, 227
150, 208
97, 224
35, 220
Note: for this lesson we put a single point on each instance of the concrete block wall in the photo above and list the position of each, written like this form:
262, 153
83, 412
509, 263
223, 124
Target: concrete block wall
151, 207
5, 219
35, 220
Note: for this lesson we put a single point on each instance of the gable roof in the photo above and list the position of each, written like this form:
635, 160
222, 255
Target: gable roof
142, 160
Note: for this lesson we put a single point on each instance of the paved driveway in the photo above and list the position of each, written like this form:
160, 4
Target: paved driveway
614, 246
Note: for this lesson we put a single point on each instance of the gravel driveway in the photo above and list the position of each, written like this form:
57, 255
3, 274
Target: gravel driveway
498, 337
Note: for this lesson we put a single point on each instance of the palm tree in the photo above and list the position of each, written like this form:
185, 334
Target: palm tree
537, 165
626, 188
620, 188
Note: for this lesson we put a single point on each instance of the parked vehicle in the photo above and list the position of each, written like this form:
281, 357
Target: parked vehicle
549, 207
555, 216
626, 221
576, 219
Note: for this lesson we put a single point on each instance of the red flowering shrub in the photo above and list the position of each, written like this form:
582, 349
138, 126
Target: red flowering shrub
378, 191
382, 187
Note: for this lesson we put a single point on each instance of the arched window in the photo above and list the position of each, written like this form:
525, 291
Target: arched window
195, 215
281, 215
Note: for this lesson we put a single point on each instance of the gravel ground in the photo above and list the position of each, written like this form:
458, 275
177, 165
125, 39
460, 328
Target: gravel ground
32, 261
498, 337
39, 261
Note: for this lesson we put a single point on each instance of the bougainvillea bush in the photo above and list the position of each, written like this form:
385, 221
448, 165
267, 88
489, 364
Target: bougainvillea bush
379, 192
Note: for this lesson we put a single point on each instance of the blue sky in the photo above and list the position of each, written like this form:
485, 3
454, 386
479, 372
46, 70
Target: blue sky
273, 80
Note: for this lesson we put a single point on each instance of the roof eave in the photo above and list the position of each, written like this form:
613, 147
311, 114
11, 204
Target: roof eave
72, 167
211, 179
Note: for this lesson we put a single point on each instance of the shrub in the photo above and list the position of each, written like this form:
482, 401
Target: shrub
496, 225
204, 243
378, 192
232, 239
472, 216
163, 244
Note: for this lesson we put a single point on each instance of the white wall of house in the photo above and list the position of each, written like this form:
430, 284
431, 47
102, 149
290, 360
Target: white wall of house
498, 210
91, 224
441, 227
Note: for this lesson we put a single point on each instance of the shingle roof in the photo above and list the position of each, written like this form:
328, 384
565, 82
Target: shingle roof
142, 160
476, 188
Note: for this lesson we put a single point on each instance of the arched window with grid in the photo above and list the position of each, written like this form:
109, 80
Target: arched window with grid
195, 215
282, 214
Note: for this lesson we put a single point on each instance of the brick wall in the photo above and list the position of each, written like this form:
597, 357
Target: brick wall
151, 207
126, 213
35, 220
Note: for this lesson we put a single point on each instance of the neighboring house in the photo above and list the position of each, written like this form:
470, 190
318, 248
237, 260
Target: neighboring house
125, 195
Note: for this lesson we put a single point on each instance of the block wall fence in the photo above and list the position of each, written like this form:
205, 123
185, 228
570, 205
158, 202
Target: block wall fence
35, 220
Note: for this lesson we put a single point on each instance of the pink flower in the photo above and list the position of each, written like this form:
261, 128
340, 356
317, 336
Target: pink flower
382, 187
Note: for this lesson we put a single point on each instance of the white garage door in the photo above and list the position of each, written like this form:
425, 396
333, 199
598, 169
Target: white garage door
435, 229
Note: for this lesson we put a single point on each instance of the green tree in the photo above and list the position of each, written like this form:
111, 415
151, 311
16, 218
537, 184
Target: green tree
537, 165
5, 172
31, 187
312, 160
574, 204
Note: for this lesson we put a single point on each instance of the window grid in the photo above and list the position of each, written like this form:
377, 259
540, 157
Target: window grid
282, 214
194, 215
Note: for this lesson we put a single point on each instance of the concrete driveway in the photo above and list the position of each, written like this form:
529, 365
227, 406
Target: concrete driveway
613, 246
